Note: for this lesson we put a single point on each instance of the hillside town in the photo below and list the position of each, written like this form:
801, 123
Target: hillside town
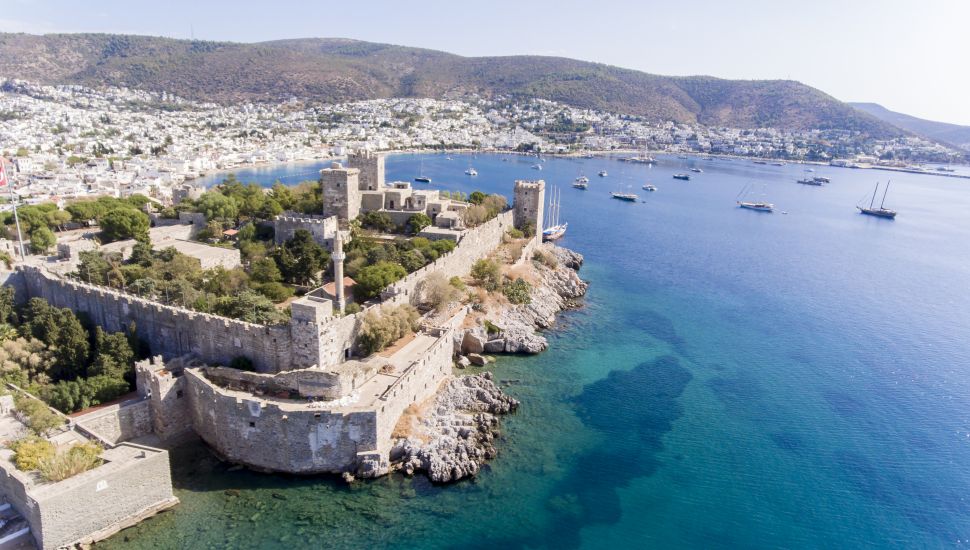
72, 141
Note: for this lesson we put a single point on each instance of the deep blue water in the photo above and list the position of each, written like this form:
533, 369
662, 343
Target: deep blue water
736, 379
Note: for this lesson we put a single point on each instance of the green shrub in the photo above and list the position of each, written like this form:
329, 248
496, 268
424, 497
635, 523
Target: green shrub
39, 418
378, 330
457, 283
30, 451
487, 273
491, 328
418, 222
352, 308
372, 279
545, 258
515, 233
518, 291
277, 292
77, 459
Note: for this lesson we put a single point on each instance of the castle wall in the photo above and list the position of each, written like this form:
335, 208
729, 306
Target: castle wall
267, 435
133, 483
322, 229
170, 331
474, 245
119, 422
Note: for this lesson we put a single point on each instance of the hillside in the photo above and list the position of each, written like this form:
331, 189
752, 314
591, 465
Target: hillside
327, 69
951, 134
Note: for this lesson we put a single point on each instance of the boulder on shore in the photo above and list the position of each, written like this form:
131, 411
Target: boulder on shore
457, 436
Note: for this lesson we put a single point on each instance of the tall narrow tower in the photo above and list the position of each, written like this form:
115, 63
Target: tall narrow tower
338, 270
529, 199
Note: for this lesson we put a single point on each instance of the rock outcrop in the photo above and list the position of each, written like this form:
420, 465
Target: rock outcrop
557, 288
455, 437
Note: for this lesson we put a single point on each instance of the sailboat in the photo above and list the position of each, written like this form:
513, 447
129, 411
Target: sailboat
581, 182
882, 211
556, 230
471, 171
421, 177
760, 206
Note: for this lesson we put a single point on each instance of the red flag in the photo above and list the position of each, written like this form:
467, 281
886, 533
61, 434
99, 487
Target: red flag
3, 173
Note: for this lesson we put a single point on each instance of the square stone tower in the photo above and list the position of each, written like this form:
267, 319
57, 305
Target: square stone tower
371, 166
341, 192
530, 196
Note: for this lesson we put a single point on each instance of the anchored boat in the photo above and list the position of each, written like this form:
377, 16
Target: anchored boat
630, 197
556, 230
759, 206
685, 177
882, 211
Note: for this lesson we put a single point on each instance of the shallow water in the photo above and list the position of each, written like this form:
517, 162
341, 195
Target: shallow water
736, 379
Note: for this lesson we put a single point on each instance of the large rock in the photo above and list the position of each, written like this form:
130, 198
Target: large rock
473, 341
477, 359
458, 436
495, 346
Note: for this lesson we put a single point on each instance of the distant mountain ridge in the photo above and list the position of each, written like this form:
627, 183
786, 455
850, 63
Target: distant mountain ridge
332, 70
950, 134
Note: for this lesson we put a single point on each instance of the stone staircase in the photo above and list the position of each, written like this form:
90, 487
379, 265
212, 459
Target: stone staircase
14, 529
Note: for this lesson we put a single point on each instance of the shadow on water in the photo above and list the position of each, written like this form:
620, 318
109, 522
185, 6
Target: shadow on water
633, 410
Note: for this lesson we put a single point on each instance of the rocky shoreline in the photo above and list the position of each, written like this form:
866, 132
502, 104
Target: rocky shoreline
455, 436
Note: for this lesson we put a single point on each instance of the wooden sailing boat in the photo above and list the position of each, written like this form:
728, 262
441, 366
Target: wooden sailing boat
556, 230
760, 206
882, 211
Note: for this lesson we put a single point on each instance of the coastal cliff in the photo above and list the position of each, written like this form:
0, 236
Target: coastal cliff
451, 437
507, 328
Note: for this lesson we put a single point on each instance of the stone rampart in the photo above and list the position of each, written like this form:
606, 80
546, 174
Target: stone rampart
322, 228
133, 483
474, 245
119, 422
270, 435
170, 331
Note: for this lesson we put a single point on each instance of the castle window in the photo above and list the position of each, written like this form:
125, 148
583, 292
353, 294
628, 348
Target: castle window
252, 424
178, 394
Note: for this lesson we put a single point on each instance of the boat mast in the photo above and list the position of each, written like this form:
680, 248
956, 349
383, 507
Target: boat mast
871, 201
884, 195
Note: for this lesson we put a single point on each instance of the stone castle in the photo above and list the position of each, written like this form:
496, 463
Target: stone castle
313, 405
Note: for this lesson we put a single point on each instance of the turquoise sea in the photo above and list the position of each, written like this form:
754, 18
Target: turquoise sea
735, 380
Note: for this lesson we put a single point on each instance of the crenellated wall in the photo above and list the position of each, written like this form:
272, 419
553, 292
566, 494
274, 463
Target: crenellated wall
322, 228
170, 331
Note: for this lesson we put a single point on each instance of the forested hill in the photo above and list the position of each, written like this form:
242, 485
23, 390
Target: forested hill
329, 69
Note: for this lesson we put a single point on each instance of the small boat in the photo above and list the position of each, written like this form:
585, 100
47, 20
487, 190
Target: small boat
822, 179
809, 169
685, 177
760, 162
630, 197
471, 172
556, 230
421, 177
603, 173
582, 179
882, 211
777, 163
698, 170
537, 167
447, 158
649, 187
809, 181
759, 206
683, 157
580, 184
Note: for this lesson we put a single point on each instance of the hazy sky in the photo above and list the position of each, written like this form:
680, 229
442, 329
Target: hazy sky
911, 56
